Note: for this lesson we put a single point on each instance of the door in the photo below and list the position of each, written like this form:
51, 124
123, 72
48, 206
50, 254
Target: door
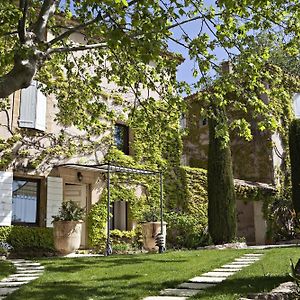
77, 193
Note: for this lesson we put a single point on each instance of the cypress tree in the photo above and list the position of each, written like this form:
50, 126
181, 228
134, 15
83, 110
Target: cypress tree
221, 194
294, 143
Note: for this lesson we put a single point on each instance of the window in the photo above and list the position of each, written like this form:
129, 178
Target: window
119, 211
33, 105
25, 201
122, 137
203, 121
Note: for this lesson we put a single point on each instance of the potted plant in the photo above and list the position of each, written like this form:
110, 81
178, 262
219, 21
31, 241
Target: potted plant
67, 226
151, 227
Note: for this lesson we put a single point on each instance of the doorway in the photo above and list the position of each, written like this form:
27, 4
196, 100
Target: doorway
78, 194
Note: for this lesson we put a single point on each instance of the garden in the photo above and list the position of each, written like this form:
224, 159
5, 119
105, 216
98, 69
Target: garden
130, 277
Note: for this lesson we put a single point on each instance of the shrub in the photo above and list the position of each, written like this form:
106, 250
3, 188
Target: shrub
96, 222
21, 238
70, 211
185, 231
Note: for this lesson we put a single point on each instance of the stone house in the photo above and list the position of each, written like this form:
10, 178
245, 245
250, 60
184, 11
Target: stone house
255, 164
30, 196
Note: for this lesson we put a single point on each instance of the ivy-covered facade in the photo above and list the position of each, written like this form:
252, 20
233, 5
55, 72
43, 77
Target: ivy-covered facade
259, 165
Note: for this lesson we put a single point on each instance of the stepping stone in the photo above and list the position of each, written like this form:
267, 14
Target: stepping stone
241, 263
35, 272
26, 264
203, 279
164, 298
226, 270
10, 279
11, 283
239, 267
23, 275
253, 254
252, 260
195, 285
31, 268
6, 291
218, 274
180, 292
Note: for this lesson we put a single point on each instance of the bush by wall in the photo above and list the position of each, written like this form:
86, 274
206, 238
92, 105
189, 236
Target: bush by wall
24, 238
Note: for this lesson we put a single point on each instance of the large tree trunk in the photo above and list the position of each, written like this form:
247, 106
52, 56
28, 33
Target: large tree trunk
221, 194
19, 77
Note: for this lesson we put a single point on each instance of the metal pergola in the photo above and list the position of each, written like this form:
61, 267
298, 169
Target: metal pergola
110, 167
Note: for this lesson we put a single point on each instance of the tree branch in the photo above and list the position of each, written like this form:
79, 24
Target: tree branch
47, 9
23, 5
78, 48
84, 25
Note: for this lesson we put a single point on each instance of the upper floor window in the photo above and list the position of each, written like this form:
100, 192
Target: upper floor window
33, 105
296, 105
25, 201
122, 137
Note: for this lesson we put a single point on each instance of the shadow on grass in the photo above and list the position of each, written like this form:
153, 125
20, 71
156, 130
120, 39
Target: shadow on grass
233, 288
77, 264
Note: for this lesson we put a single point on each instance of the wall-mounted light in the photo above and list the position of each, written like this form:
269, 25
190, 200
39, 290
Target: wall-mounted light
79, 176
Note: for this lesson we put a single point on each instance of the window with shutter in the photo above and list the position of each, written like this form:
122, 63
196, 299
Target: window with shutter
33, 108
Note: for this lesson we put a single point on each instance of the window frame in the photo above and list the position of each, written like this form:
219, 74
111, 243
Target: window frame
38, 200
125, 148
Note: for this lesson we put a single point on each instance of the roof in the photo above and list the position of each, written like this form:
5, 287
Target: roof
251, 184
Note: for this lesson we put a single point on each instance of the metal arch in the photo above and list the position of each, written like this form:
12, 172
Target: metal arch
109, 168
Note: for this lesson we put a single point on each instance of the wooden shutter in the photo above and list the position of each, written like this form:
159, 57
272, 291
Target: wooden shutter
28, 106
6, 180
54, 197
33, 108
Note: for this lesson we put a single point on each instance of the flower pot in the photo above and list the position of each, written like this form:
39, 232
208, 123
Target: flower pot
67, 236
150, 230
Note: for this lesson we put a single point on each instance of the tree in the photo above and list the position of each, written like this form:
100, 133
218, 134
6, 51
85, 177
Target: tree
123, 38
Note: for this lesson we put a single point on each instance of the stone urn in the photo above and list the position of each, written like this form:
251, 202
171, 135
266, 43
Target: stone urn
150, 231
67, 236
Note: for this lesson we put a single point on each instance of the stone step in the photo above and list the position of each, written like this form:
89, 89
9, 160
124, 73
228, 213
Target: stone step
180, 292
205, 279
26, 264
164, 298
233, 270
252, 260
31, 268
218, 274
20, 278
12, 283
33, 271
17, 275
239, 267
246, 263
6, 290
195, 285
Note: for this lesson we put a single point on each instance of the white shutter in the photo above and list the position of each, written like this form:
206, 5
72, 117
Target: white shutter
6, 179
296, 100
33, 108
54, 197
41, 106
28, 106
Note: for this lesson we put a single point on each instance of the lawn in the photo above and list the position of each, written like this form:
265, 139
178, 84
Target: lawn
6, 268
130, 277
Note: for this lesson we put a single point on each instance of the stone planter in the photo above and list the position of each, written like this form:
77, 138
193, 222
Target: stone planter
67, 236
150, 230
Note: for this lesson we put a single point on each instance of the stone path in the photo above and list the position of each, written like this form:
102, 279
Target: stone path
26, 272
200, 283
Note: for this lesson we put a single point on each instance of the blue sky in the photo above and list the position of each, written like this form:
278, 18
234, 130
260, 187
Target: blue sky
192, 29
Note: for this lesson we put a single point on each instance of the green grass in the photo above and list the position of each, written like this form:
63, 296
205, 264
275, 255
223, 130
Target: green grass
132, 277
6, 268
